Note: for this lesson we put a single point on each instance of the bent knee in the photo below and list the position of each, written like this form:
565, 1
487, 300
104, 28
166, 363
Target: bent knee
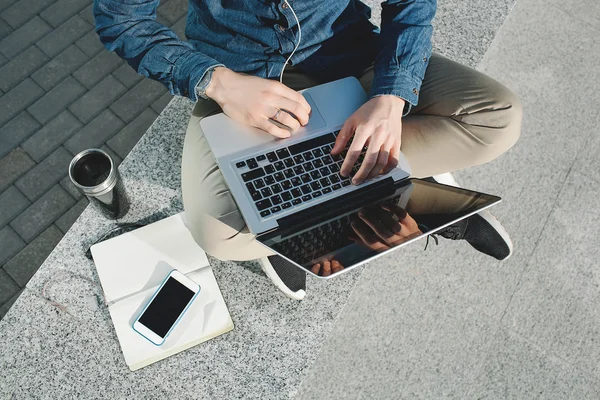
217, 246
513, 117
215, 235
212, 219
499, 127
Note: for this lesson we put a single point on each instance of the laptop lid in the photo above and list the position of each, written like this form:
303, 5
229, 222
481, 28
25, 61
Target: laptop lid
339, 235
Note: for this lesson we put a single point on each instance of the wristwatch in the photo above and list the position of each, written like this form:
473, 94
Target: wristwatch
204, 82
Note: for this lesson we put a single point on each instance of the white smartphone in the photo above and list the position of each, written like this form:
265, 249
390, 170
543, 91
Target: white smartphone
166, 307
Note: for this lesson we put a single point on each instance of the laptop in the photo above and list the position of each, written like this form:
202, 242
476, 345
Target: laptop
291, 194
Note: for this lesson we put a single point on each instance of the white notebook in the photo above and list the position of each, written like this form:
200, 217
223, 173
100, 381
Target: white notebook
132, 266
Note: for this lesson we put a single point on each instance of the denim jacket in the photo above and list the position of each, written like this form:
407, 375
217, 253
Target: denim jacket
257, 36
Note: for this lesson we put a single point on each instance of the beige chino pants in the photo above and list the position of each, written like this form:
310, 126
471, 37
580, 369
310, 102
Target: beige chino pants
464, 118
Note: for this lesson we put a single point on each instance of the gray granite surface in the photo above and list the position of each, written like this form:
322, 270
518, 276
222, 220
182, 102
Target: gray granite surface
47, 353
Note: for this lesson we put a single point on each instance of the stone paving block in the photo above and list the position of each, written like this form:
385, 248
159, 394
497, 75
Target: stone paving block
90, 44
6, 306
10, 244
127, 75
137, 99
42, 213
12, 202
97, 99
5, 29
45, 175
23, 10
56, 100
59, 67
21, 67
172, 10
26, 262
179, 28
123, 142
51, 136
97, 68
8, 287
160, 104
117, 160
63, 36
13, 165
4, 4
88, 15
94, 134
68, 219
62, 10
16, 131
23, 37
18, 98
161, 20
70, 188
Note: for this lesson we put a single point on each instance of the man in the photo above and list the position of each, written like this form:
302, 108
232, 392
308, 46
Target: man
443, 116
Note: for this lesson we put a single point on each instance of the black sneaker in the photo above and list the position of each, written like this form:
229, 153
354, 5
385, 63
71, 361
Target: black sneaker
290, 279
482, 231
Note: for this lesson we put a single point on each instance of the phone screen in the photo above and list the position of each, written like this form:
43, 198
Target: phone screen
166, 307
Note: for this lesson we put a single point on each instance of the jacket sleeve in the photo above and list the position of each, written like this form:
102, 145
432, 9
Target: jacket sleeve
129, 28
404, 48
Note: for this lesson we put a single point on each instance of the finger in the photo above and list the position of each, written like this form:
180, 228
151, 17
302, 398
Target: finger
376, 224
326, 268
382, 160
389, 221
302, 100
410, 223
291, 94
316, 268
396, 210
343, 136
404, 218
336, 266
366, 235
393, 159
273, 129
354, 151
371, 157
286, 119
294, 109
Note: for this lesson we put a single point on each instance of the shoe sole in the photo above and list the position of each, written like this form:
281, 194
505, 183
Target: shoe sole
490, 219
272, 275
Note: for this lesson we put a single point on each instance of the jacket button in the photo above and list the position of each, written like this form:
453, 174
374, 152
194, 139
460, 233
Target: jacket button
281, 28
415, 91
284, 6
424, 59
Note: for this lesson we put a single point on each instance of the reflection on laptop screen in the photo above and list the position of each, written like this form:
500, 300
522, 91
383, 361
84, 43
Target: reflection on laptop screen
382, 221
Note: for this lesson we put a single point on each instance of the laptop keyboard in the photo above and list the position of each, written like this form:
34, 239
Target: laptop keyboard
294, 175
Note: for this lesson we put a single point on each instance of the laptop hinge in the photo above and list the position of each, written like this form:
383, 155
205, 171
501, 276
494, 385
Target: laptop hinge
337, 206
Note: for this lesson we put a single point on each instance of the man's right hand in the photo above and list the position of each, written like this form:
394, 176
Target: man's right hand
255, 101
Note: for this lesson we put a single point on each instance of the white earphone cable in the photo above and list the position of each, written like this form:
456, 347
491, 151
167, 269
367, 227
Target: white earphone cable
297, 44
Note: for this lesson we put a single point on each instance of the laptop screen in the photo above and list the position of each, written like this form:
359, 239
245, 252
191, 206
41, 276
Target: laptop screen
347, 231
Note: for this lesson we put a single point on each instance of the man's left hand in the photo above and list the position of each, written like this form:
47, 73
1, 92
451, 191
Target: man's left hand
377, 124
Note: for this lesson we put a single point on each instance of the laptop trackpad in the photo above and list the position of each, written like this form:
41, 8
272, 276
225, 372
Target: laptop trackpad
316, 120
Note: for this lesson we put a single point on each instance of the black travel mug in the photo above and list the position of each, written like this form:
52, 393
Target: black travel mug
94, 173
